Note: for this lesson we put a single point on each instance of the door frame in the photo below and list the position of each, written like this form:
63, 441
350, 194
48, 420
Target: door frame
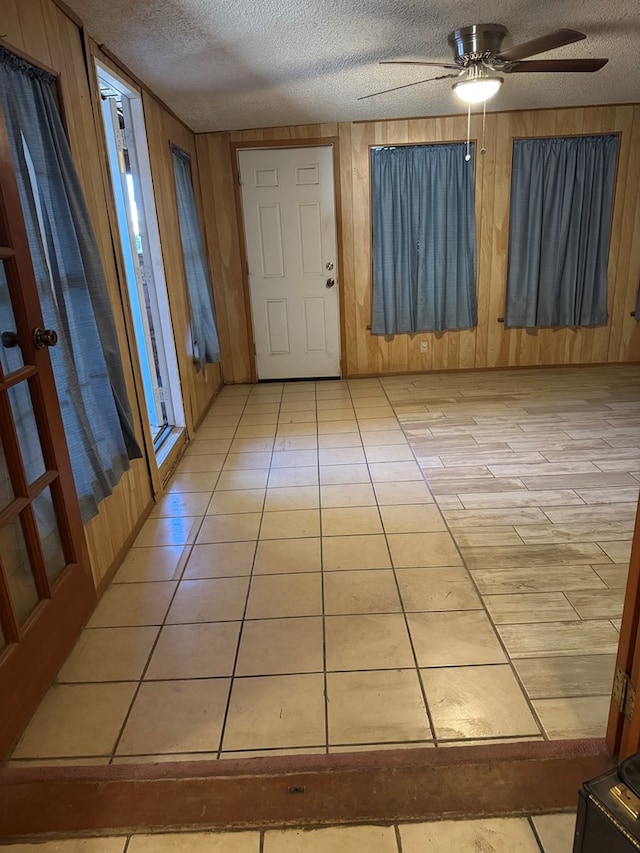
275, 144
623, 727
132, 92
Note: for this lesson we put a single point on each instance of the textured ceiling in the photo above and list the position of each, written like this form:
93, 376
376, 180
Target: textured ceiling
232, 64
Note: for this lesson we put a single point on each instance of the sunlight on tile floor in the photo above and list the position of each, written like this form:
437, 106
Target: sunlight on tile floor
415, 561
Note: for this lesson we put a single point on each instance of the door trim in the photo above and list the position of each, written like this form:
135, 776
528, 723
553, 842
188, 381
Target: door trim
623, 734
275, 144
129, 337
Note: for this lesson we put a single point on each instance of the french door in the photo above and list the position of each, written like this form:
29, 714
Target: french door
46, 590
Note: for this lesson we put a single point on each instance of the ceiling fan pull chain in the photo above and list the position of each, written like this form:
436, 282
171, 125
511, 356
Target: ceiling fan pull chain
467, 156
483, 150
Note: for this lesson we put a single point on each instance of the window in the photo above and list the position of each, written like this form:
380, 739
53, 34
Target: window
72, 290
561, 200
424, 239
203, 325
125, 134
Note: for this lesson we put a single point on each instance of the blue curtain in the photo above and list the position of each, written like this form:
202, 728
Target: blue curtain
73, 292
424, 239
203, 323
561, 197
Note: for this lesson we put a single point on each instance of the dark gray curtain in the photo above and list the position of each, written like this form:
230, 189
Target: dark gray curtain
203, 323
424, 239
561, 196
73, 292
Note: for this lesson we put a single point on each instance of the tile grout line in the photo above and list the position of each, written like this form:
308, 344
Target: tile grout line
396, 827
163, 624
581, 501
187, 548
534, 832
499, 639
403, 611
242, 620
325, 677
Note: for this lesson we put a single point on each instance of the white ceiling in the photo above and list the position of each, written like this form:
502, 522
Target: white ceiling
232, 64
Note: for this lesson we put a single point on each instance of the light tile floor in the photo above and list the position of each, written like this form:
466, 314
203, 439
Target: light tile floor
415, 561
540, 834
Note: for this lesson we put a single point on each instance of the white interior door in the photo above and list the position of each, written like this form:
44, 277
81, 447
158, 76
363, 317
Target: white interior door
290, 232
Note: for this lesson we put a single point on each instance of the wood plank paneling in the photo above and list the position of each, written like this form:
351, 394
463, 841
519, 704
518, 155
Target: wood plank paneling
201, 383
11, 26
40, 29
198, 386
223, 242
223, 224
36, 43
490, 344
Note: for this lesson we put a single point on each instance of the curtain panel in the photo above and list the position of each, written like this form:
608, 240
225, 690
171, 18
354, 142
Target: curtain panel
203, 324
73, 292
424, 239
560, 220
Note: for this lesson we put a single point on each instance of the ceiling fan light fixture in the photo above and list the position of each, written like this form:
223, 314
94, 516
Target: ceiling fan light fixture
477, 86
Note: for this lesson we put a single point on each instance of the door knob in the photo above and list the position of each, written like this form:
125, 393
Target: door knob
331, 282
45, 337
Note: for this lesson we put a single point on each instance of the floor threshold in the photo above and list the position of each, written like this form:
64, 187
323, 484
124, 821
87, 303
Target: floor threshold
312, 790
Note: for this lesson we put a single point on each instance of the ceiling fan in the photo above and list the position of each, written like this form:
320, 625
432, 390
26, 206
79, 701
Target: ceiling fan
478, 60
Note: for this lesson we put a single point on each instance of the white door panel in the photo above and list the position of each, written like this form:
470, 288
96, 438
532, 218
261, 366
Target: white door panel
290, 233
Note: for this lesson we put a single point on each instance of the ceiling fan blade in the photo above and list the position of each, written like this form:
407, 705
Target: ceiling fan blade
557, 65
530, 48
418, 62
405, 86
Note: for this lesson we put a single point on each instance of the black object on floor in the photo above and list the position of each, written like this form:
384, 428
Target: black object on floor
609, 811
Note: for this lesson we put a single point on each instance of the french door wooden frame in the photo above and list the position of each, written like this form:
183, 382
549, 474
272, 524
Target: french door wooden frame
623, 728
35, 649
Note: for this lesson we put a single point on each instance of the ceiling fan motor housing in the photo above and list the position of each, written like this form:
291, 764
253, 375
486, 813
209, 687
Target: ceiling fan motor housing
474, 43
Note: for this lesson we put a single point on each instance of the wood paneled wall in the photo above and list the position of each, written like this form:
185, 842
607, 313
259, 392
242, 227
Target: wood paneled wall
42, 30
489, 344
162, 130
216, 153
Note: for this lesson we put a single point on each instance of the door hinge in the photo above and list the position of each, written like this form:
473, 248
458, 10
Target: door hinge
630, 701
247, 265
624, 693
239, 179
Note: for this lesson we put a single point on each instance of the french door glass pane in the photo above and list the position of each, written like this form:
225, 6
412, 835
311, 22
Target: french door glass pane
10, 355
6, 489
49, 536
15, 558
28, 437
